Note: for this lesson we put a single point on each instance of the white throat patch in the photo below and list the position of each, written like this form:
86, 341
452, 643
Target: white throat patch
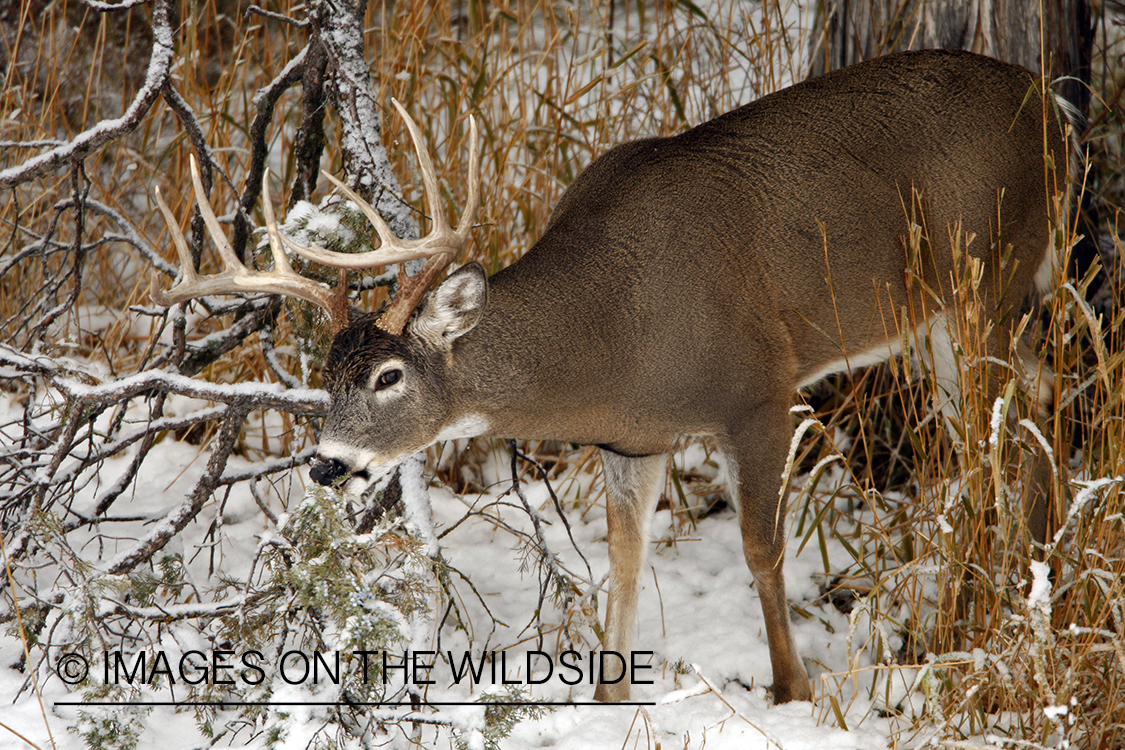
470, 425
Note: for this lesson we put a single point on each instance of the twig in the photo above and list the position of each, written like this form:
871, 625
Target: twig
105, 131
79, 192
555, 575
173, 612
770, 738
254, 10
47, 143
555, 499
258, 470
265, 101
179, 517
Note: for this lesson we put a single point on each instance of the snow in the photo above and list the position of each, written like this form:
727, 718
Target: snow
996, 422
699, 622
697, 607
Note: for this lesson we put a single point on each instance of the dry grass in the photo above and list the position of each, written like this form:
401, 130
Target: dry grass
549, 91
937, 569
941, 557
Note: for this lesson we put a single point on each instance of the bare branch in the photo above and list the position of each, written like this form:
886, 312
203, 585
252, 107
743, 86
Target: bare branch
308, 146
287, 463
254, 10
111, 7
80, 189
548, 561
162, 424
108, 130
554, 499
45, 143
128, 235
265, 101
179, 517
252, 315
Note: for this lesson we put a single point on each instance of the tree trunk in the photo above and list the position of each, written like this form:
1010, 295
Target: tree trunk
1012, 30
1017, 31
339, 24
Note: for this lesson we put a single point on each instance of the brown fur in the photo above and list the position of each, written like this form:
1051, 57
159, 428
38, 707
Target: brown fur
687, 286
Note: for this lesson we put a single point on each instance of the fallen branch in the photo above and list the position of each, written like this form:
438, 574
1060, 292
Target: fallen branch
88, 141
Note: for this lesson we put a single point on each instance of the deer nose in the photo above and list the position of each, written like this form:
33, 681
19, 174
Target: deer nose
328, 472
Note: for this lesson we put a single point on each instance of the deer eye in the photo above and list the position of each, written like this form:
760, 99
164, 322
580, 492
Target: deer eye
387, 379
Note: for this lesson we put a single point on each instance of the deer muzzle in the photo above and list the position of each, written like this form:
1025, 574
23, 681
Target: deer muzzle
329, 472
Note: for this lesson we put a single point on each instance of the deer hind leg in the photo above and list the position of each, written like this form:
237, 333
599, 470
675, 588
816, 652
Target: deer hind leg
1039, 385
757, 460
633, 487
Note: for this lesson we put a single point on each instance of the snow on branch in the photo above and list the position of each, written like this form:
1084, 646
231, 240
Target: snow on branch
340, 27
306, 401
254, 10
170, 612
111, 7
156, 78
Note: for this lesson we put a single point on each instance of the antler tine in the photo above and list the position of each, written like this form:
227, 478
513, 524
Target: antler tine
472, 203
187, 268
226, 252
273, 234
440, 240
411, 290
439, 246
337, 304
426, 167
236, 277
382, 228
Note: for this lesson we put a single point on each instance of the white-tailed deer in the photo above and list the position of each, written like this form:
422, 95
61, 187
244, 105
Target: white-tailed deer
687, 286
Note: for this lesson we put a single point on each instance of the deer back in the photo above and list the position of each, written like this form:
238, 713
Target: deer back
681, 278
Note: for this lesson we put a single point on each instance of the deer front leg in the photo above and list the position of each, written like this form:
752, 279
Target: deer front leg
632, 489
758, 459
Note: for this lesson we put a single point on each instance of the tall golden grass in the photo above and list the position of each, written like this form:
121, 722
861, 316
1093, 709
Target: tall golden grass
935, 568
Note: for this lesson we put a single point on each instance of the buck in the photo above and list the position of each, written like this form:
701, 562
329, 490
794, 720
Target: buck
686, 287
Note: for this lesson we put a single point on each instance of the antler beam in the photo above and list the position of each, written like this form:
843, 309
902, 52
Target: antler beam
235, 276
440, 246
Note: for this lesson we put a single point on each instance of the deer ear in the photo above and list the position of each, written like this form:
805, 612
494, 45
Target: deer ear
454, 307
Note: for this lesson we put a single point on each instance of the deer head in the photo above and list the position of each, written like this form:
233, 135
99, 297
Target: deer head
367, 364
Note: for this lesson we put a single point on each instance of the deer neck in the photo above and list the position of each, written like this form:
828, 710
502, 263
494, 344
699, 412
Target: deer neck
513, 371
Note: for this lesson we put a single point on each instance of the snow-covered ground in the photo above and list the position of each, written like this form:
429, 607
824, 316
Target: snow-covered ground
704, 685
699, 616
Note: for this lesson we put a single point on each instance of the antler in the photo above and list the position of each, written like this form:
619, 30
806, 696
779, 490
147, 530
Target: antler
441, 245
236, 277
